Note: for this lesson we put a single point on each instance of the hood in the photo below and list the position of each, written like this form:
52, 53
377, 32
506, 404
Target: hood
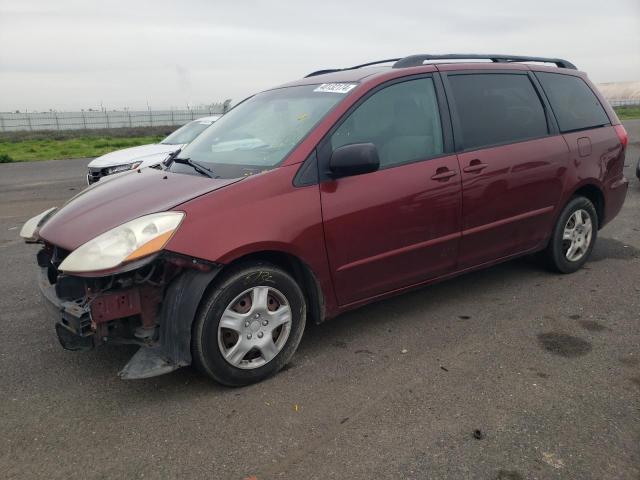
133, 154
116, 199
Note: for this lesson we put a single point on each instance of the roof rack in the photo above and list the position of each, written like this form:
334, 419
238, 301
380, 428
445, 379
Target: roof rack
332, 70
417, 60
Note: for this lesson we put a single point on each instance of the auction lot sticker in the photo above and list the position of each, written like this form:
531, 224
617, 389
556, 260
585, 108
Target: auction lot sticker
336, 87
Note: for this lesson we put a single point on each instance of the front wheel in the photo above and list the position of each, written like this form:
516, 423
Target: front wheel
573, 236
249, 326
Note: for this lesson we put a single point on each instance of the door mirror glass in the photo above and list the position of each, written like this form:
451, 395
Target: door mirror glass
354, 159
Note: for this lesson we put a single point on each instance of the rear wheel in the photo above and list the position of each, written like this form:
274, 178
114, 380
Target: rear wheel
249, 326
573, 237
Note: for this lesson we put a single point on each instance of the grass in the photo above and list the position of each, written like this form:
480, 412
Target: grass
51, 149
631, 112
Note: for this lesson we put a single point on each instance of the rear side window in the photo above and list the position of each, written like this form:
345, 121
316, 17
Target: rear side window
574, 104
401, 120
497, 108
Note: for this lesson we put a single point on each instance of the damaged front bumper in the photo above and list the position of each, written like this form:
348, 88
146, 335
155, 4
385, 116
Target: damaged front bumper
73, 320
153, 307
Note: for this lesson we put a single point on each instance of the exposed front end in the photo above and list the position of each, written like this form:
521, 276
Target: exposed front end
147, 306
106, 272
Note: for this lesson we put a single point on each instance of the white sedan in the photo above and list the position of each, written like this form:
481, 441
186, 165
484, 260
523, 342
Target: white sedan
146, 155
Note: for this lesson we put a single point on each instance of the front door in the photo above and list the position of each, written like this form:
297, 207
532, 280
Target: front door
400, 225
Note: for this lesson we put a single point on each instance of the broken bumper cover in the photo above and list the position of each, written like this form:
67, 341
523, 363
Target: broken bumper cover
72, 319
76, 329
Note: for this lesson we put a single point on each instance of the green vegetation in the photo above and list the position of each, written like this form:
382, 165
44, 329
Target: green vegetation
629, 112
29, 150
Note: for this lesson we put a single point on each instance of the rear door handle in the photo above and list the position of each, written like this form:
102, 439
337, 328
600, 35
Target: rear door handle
443, 173
475, 166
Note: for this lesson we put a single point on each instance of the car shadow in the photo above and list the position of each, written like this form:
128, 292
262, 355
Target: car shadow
105, 362
460, 289
187, 381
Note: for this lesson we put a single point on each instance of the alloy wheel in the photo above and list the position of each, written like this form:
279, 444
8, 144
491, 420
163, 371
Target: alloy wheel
576, 237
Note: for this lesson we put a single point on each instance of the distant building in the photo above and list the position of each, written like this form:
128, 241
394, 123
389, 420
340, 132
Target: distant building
621, 92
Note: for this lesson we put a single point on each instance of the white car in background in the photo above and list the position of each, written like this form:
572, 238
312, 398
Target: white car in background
146, 155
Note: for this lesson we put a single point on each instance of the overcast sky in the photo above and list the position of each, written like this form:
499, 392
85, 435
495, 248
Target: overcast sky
71, 54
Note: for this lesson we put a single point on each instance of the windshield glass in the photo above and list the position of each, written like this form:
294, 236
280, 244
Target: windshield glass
186, 133
259, 133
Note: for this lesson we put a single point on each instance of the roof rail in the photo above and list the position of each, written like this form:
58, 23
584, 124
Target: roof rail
332, 70
417, 60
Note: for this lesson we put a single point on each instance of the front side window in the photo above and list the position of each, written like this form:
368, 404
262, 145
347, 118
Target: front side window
574, 104
259, 133
401, 120
494, 109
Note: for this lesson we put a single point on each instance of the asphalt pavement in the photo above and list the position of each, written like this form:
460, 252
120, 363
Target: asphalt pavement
508, 373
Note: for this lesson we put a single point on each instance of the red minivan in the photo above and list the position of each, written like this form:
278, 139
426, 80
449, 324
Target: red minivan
321, 195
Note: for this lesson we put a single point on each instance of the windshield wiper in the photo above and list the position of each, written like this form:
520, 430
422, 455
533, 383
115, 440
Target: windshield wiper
198, 167
167, 161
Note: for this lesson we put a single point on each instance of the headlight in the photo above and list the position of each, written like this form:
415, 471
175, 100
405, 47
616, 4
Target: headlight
30, 228
130, 241
122, 168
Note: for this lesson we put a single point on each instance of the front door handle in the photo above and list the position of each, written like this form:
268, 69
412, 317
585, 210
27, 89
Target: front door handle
475, 166
443, 173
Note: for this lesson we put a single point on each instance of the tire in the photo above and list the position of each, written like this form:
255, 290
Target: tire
558, 254
253, 298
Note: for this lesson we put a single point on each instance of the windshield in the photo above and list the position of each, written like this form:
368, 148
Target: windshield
259, 133
186, 133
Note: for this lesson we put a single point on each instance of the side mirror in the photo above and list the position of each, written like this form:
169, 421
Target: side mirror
354, 159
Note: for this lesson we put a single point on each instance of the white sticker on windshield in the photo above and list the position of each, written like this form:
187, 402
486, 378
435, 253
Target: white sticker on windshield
336, 87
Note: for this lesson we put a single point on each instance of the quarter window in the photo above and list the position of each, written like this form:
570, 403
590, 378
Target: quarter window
401, 120
574, 104
497, 108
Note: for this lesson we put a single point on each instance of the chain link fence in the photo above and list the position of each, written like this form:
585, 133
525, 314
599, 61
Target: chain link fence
635, 102
85, 120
